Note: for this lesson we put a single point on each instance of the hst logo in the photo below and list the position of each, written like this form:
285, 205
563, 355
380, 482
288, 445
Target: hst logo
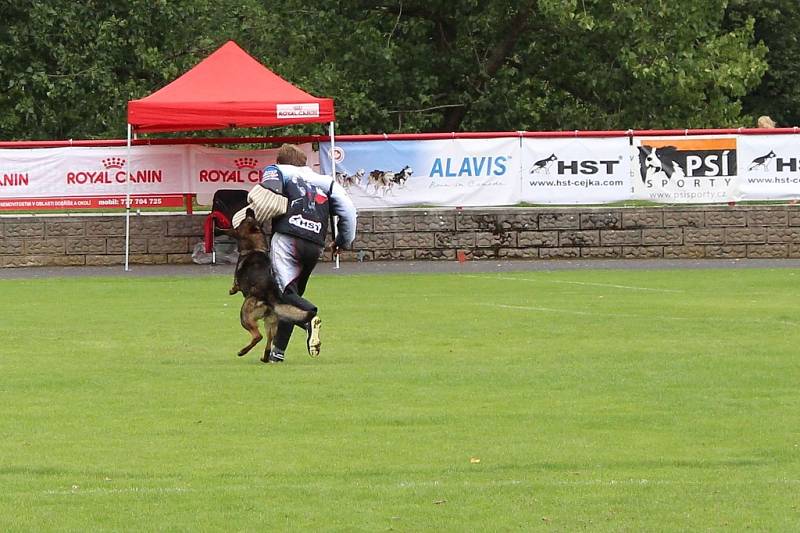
765, 163
304, 223
450, 167
575, 168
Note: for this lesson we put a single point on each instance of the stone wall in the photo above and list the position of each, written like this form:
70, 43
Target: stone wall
694, 232
97, 239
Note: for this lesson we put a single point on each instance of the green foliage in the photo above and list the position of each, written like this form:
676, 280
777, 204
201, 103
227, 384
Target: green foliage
648, 65
777, 26
69, 68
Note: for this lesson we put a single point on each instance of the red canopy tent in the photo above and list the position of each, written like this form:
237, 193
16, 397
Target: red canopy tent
227, 89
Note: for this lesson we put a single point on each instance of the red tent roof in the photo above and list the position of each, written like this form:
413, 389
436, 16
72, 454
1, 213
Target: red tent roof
229, 88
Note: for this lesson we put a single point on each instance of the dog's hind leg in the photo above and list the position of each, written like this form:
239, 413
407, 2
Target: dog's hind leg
252, 311
271, 327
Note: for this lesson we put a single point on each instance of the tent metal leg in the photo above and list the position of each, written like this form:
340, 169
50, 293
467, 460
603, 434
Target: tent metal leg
128, 200
333, 175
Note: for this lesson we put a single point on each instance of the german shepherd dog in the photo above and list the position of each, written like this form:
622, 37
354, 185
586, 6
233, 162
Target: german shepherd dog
253, 277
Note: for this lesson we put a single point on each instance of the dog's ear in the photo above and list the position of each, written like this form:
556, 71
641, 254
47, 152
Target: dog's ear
250, 213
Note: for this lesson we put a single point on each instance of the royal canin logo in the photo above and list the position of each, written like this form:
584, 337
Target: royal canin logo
14, 179
247, 171
246, 162
113, 162
113, 172
296, 110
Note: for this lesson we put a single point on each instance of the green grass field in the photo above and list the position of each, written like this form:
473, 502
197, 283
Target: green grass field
602, 400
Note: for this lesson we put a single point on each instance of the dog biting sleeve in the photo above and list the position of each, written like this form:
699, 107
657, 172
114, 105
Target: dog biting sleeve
265, 203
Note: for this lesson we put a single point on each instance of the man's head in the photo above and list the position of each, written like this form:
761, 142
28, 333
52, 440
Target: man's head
290, 154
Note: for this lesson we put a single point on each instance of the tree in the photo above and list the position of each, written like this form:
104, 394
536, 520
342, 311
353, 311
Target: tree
403, 65
647, 64
438, 65
777, 26
70, 67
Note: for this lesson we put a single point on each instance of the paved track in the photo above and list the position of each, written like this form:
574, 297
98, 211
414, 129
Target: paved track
421, 267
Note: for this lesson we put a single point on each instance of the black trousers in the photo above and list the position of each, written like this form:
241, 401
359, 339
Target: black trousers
302, 257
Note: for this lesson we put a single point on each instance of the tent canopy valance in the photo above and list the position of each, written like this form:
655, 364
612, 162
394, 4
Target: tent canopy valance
227, 89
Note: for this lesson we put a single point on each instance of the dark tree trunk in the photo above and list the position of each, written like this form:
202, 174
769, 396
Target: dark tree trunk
453, 117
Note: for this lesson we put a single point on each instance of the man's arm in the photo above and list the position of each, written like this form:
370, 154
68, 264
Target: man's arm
342, 206
272, 179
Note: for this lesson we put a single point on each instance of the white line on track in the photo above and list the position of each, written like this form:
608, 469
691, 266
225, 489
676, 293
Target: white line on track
585, 283
573, 312
611, 482
129, 490
594, 482
623, 315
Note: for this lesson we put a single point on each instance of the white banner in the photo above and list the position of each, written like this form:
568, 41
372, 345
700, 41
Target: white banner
451, 172
685, 170
575, 170
66, 172
769, 167
440, 172
154, 170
